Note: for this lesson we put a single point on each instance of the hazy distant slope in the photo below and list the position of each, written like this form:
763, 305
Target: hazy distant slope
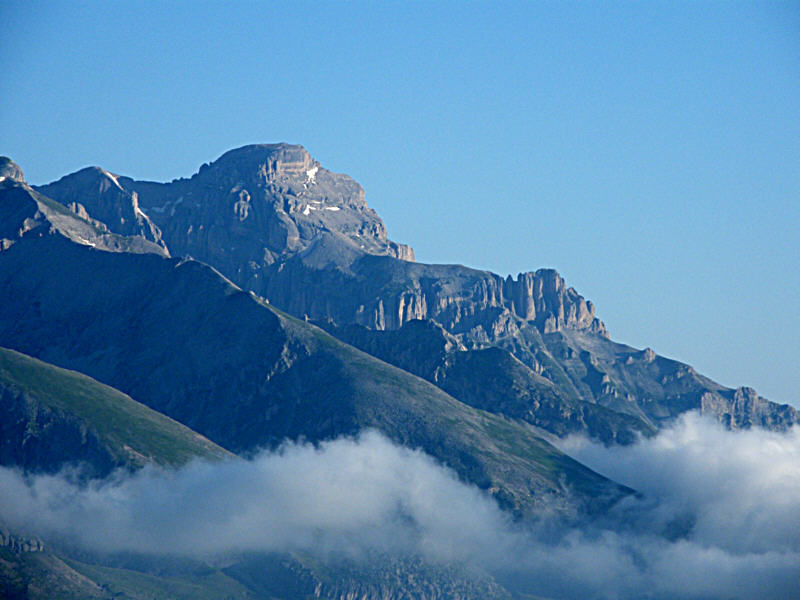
51, 416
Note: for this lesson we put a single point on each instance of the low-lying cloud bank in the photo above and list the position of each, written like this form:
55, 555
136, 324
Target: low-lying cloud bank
719, 516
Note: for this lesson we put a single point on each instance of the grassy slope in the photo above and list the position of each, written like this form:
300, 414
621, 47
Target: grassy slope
131, 431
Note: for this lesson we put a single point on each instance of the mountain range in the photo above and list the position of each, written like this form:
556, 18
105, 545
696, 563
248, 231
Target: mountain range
260, 301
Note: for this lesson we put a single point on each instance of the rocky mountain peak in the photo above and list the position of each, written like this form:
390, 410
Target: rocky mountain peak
266, 162
10, 170
96, 194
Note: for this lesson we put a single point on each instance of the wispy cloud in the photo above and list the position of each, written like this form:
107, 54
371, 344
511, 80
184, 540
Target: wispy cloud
718, 517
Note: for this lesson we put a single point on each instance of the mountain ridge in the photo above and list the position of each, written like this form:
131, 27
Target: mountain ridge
231, 367
330, 277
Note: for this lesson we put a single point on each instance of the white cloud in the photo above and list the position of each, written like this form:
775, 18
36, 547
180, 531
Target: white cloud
718, 518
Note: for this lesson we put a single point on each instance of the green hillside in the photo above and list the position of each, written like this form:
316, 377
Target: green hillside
44, 404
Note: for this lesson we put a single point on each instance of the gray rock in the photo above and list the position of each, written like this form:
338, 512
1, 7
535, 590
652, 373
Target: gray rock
10, 170
108, 203
271, 219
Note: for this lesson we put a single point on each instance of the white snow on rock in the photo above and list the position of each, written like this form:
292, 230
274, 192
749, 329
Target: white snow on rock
311, 175
112, 178
332, 208
307, 210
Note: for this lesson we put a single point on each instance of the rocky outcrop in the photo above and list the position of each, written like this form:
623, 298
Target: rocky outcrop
743, 408
19, 543
107, 204
543, 297
10, 170
273, 220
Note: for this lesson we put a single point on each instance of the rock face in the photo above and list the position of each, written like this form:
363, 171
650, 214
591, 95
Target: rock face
109, 204
382, 293
10, 170
274, 221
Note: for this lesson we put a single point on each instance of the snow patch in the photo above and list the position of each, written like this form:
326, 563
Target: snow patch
332, 208
311, 175
307, 210
112, 178
3, 178
86, 242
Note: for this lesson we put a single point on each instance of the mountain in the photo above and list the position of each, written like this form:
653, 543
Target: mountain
275, 222
27, 214
261, 301
180, 338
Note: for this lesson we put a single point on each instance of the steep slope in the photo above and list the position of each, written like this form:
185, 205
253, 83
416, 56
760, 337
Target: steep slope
109, 203
491, 379
27, 213
50, 417
178, 337
274, 221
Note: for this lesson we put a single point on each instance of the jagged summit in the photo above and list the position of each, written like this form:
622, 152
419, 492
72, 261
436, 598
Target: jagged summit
94, 193
10, 170
265, 161
253, 207
28, 214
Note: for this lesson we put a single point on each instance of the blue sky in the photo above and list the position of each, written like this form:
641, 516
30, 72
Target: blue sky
648, 151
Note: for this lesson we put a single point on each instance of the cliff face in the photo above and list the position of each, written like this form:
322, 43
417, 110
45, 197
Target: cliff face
274, 221
382, 293
109, 205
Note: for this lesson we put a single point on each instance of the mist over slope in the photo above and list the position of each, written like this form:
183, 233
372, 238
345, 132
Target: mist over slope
717, 518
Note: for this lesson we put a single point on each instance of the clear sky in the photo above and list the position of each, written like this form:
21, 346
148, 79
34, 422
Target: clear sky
648, 151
